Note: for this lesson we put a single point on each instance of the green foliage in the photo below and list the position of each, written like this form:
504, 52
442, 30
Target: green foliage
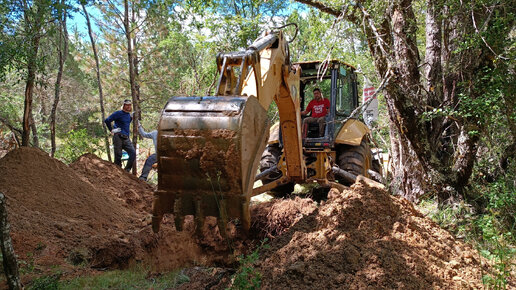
135, 278
501, 202
27, 265
11, 108
456, 218
46, 283
493, 230
499, 245
23, 24
77, 143
247, 277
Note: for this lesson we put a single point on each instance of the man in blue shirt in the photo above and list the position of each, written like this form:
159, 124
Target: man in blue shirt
121, 133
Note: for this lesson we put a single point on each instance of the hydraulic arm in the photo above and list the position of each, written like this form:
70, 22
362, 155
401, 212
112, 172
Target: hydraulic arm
209, 147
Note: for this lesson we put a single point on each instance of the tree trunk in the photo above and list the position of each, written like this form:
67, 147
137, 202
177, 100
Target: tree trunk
63, 53
433, 151
136, 102
34, 29
465, 157
29, 88
132, 77
99, 83
406, 169
9, 257
43, 97
432, 68
34, 129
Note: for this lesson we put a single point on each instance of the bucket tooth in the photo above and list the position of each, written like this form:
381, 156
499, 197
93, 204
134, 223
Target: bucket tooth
178, 214
199, 217
163, 203
211, 136
156, 221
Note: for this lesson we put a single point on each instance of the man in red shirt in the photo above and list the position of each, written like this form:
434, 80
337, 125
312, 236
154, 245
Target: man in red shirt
319, 107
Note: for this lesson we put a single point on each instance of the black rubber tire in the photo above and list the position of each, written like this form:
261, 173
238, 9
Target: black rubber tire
354, 159
270, 157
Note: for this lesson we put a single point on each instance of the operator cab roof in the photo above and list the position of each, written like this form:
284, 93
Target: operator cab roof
310, 69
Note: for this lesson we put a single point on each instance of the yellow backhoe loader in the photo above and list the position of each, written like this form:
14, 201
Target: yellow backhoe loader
209, 147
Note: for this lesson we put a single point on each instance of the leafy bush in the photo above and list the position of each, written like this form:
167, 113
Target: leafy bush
46, 283
492, 229
495, 230
247, 277
77, 143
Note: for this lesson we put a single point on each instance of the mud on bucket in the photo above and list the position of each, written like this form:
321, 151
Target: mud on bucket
208, 149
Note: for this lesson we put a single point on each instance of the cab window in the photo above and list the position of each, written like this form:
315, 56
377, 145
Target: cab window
344, 93
324, 86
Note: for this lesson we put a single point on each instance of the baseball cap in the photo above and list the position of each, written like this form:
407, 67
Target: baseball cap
128, 102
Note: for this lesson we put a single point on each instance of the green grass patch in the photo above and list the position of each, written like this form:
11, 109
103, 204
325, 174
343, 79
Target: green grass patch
247, 276
137, 277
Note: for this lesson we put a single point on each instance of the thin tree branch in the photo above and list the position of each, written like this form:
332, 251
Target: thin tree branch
321, 6
379, 39
118, 15
482, 37
385, 81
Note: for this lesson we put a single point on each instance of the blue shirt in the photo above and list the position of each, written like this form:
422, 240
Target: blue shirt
122, 120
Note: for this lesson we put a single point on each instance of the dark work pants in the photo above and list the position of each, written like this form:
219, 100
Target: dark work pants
148, 166
321, 121
119, 143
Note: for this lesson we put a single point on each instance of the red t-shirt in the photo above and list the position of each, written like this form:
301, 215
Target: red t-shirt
318, 108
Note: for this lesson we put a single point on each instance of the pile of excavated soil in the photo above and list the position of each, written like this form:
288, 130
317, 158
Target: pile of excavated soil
365, 238
94, 214
113, 180
92, 211
273, 218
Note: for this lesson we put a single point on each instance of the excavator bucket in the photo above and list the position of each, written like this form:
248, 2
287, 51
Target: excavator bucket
207, 159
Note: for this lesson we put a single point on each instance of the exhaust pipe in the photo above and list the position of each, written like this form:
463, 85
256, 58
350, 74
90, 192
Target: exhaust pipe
349, 177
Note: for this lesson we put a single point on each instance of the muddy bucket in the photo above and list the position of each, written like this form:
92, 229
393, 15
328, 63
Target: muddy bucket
208, 154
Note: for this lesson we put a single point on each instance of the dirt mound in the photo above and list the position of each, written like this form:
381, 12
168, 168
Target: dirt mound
114, 180
365, 238
62, 216
270, 219
94, 212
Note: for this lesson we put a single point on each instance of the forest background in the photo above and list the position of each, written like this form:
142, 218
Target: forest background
447, 68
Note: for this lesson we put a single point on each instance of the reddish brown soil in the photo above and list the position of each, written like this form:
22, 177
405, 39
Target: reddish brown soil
273, 218
111, 179
216, 152
95, 214
169, 249
365, 238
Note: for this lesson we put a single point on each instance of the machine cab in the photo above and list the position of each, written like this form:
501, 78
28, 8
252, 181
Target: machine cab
337, 83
